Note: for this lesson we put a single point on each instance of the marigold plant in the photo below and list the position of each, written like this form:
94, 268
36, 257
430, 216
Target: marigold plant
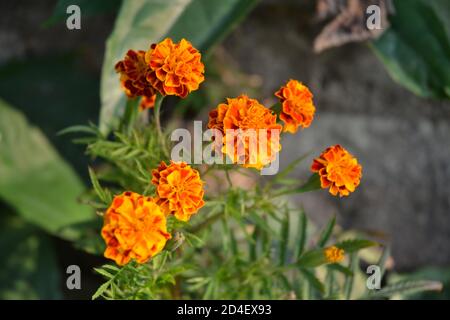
297, 106
339, 170
244, 122
334, 254
175, 68
133, 72
179, 189
215, 230
134, 228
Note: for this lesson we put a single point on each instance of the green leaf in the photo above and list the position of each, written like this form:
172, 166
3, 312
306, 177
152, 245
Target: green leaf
263, 224
104, 273
312, 259
284, 239
326, 233
35, 180
101, 194
301, 231
312, 184
194, 240
407, 286
28, 269
313, 280
143, 22
285, 172
342, 269
416, 48
79, 129
350, 280
353, 245
101, 290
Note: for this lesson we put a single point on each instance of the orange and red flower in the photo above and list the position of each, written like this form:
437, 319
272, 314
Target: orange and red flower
134, 228
147, 102
133, 78
175, 68
245, 122
297, 106
338, 170
179, 189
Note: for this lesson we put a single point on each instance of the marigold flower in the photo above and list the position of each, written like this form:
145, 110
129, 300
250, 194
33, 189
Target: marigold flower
134, 228
175, 68
133, 77
334, 254
297, 106
338, 170
147, 102
179, 189
251, 122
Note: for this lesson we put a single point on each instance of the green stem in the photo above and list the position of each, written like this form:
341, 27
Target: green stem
130, 115
207, 222
157, 110
227, 174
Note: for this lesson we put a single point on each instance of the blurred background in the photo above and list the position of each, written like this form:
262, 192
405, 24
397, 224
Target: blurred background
385, 104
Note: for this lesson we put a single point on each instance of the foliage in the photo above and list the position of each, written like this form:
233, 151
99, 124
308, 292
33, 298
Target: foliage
266, 248
245, 243
415, 49
29, 267
27, 163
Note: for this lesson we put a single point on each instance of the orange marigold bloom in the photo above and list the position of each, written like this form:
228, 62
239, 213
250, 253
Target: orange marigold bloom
134, 228
175, 68
147, 102
338, 170
179, 189
244, 122
297, 106
334, 254
133, 76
